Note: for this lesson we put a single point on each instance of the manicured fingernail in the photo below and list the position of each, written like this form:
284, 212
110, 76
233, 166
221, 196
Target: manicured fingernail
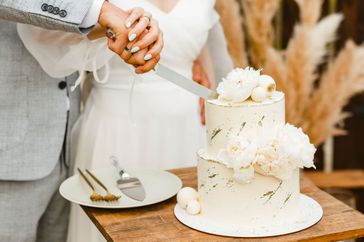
148, 57
134, 49
132, 37
128, 25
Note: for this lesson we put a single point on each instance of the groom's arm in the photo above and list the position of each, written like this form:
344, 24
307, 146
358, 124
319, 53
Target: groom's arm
65, 15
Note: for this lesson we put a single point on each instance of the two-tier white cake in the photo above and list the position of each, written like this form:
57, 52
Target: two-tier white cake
222, 198
249, 172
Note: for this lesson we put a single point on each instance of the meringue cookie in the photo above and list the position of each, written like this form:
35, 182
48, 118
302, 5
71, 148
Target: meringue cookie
268, 84
185, 195
259, 94
193, 207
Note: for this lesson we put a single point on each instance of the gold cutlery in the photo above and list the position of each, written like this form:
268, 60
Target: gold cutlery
109, 196
95, 196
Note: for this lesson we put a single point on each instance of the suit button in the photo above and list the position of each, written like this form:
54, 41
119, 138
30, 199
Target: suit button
62, 85
50, 8
44, 7
63, 13
55, 10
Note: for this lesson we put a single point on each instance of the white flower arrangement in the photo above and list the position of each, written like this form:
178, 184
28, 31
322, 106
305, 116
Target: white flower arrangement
240, 84
276, 151
240, 154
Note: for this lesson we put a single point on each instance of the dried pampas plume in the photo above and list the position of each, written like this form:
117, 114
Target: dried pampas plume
231, 21
310, 11
258, 15
343, 79
306, 50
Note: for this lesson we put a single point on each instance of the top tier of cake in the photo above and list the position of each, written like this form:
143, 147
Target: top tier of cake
223, 120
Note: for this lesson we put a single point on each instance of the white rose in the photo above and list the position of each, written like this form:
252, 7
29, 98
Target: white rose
238, 85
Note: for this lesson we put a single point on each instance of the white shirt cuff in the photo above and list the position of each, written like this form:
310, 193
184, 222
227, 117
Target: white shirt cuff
92, 15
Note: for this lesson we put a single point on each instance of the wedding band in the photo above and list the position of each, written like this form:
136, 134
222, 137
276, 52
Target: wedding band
110, 34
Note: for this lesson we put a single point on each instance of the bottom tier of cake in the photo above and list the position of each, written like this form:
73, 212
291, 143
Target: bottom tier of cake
264, 201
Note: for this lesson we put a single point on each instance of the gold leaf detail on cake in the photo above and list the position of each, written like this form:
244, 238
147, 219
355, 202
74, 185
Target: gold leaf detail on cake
212, 176
214, 133
241, 127
260, 123
286, 200
270, 194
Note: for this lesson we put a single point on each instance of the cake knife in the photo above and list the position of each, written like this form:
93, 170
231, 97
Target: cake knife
184, 82
178, 79
130, 186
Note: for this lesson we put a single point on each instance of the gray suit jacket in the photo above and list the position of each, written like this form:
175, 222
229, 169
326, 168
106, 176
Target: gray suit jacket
33, 106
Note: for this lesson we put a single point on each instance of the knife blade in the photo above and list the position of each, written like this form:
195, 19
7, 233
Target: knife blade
128, 185
184, 82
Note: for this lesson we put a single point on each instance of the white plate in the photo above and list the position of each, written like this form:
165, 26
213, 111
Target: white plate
309, 213
158, 185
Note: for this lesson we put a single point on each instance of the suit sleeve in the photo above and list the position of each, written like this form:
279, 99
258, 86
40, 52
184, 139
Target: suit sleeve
64, 15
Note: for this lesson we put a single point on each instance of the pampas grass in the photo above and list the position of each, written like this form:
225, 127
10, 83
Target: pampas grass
231, 21
258, 15
300, 73
343, 79
310, 11
312, 101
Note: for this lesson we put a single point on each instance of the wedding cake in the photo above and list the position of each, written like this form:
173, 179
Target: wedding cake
249, 171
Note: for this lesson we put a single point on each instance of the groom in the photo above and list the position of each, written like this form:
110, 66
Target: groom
35, 116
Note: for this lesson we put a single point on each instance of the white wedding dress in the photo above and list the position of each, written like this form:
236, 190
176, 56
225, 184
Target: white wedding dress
143, 120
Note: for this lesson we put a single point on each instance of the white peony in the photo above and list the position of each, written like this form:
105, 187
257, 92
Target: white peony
281, 150
238, 85
240, 154
295, 146
275, 151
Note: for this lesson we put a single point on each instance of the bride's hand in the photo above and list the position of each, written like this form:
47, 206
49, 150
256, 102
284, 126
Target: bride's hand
199, 75
137, 28
144, 52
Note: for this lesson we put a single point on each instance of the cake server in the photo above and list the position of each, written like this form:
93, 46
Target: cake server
184, 82
129, 186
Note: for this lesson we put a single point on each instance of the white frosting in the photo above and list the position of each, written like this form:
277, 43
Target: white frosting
224, 120
262, 202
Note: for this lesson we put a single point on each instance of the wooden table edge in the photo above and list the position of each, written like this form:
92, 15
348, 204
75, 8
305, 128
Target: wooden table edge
350, 234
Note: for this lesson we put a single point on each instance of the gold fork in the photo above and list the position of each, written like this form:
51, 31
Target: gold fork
95, 196
109, 196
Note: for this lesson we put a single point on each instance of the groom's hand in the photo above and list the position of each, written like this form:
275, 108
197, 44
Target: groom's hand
112, 17
134, 31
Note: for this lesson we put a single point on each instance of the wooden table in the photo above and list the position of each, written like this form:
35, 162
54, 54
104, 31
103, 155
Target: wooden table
157, 222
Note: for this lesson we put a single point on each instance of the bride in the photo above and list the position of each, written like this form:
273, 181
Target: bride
143, 120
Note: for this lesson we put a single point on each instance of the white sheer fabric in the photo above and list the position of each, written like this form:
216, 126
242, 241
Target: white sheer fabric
157, 124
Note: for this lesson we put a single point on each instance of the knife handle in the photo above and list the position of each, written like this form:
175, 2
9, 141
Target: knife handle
115, 162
